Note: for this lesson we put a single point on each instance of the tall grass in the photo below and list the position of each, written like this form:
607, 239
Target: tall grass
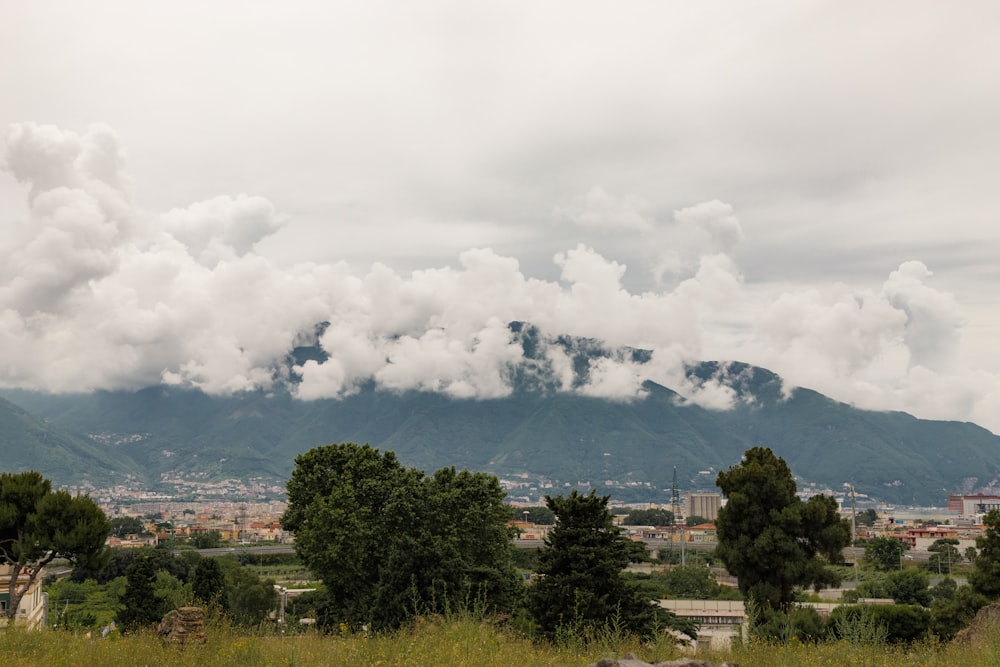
456, 641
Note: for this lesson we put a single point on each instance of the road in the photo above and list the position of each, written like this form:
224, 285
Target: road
851, 554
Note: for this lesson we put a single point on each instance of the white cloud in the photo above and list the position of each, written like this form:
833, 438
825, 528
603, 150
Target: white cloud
933, 319
102, 295
222, 227
582, 173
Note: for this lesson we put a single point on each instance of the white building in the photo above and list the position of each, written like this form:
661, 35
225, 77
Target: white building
31, 610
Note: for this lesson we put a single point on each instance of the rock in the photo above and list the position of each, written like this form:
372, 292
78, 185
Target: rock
983, 626
184, 626
629, 660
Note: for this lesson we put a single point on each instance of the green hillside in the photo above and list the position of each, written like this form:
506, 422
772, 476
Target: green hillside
561, 436
28, 443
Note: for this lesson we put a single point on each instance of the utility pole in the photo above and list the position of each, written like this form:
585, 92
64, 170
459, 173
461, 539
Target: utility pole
854, 517
676, 507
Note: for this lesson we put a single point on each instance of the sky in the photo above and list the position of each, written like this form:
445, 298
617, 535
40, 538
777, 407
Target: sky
188, 188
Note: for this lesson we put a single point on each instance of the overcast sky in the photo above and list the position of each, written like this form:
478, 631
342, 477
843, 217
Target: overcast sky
189, 187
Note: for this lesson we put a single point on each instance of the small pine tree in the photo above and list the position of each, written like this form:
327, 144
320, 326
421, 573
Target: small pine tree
208, 585
140, 606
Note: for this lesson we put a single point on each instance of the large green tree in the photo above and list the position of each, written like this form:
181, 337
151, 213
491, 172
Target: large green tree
985, 576
885, 553
772, 541
582, 586
38, 525
388, 541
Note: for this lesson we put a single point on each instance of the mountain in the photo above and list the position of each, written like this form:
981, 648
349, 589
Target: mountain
29, 443
565, 437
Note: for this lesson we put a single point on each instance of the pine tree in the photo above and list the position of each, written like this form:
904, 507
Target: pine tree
582, 586
771, 540
208, 583
140, 606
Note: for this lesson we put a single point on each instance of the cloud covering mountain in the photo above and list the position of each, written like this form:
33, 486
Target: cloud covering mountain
809, 189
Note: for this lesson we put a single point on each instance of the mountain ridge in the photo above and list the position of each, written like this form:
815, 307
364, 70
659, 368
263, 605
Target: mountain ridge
562, 436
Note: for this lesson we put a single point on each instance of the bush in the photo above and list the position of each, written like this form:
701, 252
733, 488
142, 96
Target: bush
902, 622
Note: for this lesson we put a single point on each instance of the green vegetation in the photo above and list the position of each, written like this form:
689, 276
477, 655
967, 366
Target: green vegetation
140, 606
38, 525
582, 584
985, 577
885, 553
908, 586
260, 433
866, 517
694, 582
136, 587
464, 641
650, 517
389, 542
771, 540
537, 514
210, 539
123, 526
944, 556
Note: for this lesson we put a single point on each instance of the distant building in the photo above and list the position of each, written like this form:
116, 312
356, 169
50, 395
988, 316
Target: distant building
921, 538
704, 505
31, 610
972, 505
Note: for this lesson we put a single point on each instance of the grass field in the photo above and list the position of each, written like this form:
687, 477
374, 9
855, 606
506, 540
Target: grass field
447, 642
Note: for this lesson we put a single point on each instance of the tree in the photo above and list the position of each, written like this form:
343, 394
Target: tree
210, 539
944, 553
908, 587
866, 517
695, 520
771, 540
944, 590
38, 525
208, 584
389, 542
537, 514
985, 576
249, 598
123, 526
885, 553
582, 586
140, 605
951, 614
694, 582
650, 517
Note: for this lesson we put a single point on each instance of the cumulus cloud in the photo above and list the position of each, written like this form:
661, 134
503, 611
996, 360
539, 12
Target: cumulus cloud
222, 227
933, 319
708, 228
97, 294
